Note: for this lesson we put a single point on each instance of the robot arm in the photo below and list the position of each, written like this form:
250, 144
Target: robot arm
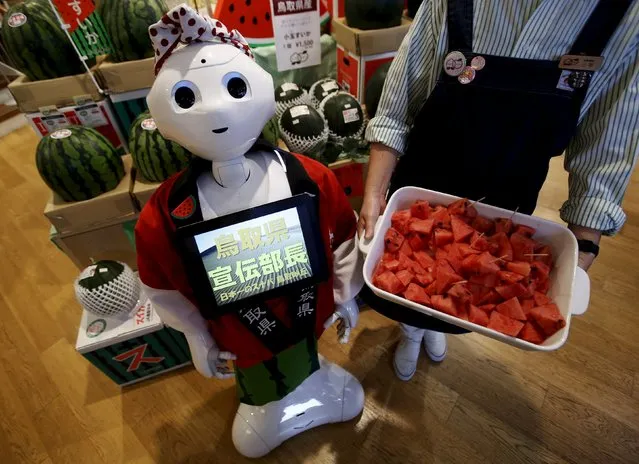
178, 312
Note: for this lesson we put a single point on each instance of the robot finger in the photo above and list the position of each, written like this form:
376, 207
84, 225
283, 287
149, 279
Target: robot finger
331, 320
344, 338
226, 356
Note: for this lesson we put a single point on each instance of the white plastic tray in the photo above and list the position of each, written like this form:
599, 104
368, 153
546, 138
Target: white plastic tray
569, 288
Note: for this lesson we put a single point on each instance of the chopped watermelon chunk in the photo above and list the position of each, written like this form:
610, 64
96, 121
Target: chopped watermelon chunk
503, 225
393, 240
512, 309
492, 297
391, 265
424, 260
406, 249
445, 304
379, 270
483, 225
539, 270
527, 305
445, 276
504, 248
431, 289
416, 242
520, 267
417, 294
544, 254
461, 230
487, 280
542, 286
525, 230
461, 292
548, 318
508, 277
531, 333
512, 291
504, 324
390, 283
541, 299
400, 220
443, 237
487, 264
477, 316
420, 209
405, 277
479, 242
404, 262
523, 247
441, 217
422, 226
487, 308
466, 250
389, 256
425, 279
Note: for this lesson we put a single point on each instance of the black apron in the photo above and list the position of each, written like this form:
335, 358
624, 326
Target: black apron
493, 138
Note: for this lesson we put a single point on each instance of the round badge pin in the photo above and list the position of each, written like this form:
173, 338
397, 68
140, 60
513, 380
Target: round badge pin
467, 75
478, 63
454, 63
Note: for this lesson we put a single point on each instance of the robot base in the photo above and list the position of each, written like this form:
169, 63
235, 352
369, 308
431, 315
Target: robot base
331, 394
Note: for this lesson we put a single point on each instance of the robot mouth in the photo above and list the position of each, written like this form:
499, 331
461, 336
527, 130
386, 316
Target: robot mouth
221, 130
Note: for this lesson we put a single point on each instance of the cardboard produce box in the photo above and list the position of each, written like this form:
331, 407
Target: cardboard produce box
129, 351
110, 241
78, 216
372, 42
31, 96
95, 114
354, 72
126, 76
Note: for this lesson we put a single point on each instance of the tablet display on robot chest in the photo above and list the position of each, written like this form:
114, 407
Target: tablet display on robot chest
260, 253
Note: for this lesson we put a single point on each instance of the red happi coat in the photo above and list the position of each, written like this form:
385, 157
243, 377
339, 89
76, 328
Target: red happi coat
160, 265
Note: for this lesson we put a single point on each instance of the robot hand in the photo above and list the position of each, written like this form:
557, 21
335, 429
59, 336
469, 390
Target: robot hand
218, 362
347, 314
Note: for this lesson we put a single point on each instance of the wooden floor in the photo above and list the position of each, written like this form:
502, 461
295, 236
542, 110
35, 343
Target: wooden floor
486, 403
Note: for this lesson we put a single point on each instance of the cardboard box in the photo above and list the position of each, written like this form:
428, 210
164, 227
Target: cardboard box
141, 190
129, 351
110, 241
63, 91
128, 106
96, 114
126, 76
373, 42
78, 216
354, 72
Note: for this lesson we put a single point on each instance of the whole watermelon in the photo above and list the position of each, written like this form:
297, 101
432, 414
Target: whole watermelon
321, 89
155, 157
344, 116
36, 43
304, 130
271, 132
78, 163
289, 94
374, 14
127, 22
374, 88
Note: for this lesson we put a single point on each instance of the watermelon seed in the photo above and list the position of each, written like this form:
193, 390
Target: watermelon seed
267, 16
231, 7
255, 20
242, 19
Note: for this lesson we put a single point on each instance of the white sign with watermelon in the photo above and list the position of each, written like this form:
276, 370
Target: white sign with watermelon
296, 26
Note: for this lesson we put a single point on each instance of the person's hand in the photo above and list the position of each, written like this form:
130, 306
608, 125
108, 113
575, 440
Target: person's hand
219, 363
586, 260
585, 233
373, 206
346, 315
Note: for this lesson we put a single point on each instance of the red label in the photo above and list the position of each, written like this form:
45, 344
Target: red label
73, 12
286, 7
138, 358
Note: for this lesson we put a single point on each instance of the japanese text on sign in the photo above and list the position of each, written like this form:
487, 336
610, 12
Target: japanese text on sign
297, 33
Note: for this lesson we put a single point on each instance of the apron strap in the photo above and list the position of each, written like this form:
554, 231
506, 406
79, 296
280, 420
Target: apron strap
600, 27
460, 25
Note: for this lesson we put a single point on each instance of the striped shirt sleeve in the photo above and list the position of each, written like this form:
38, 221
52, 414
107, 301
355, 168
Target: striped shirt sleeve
405, 88
602, 155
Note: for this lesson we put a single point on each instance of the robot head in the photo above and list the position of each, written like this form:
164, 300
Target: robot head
209, 96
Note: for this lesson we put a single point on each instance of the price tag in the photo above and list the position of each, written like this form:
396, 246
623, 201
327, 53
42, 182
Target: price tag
350, 115
298, 111
91, 116
297, 33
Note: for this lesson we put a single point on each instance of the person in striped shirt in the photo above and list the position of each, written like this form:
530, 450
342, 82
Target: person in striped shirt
479, 98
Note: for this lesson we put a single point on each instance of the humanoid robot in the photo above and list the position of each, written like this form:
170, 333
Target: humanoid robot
211, 97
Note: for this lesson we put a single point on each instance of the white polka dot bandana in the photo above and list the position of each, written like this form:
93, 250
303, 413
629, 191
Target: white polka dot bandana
183, 24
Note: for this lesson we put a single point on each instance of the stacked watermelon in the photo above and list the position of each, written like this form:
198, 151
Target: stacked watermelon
155, 157
127, 22
488, 272
35, 42
78, 163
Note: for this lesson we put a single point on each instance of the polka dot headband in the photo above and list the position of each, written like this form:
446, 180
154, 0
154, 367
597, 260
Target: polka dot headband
183, 24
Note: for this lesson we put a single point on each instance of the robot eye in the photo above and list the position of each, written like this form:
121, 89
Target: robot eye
184, 97
237, 87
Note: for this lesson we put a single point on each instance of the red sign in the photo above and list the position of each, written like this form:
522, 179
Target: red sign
73, 12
